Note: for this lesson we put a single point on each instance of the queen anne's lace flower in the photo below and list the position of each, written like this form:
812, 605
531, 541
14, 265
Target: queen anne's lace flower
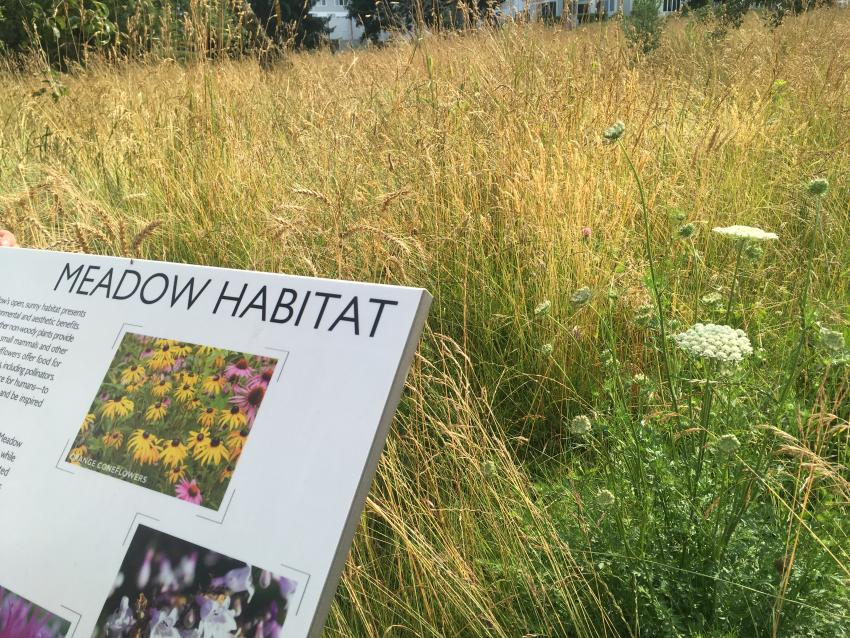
818, 186
745, 232
727, 444
711, 298
832, 339
580, 297
543, 307
614, 132
712, 341
605, 499
580, 424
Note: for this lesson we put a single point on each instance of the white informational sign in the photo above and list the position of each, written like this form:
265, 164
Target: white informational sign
185, 451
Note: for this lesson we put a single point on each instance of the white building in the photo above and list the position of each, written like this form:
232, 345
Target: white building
346, 32
582, 9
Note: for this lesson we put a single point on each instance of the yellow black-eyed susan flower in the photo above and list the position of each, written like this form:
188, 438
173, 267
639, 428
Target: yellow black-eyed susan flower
77, 453
161, 388
215, 452
232, 418
213, 385
115, 407
185, 393
113, 439
144, 446
135, 387
87, 423
236, 440
163, 357
156, 412
207, 417
175, 473
174, 452
189, 377
226, 474
198, 439
132, 375
183, 349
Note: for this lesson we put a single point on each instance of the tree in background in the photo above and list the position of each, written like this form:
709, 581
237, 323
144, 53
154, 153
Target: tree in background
387, 16
290, 23
643, 27
68, 30
64, 28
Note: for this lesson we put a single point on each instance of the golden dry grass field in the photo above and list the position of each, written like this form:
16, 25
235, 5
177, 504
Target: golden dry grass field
557, 467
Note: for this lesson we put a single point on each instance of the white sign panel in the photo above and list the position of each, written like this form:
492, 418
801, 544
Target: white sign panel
185, 451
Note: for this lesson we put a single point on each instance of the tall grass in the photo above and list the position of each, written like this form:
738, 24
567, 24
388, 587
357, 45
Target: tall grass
473, 165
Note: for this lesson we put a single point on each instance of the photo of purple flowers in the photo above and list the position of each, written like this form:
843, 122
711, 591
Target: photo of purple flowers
19, 618
171, 588
173, 417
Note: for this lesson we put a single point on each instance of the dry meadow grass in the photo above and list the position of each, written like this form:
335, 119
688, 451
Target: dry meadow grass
470, 164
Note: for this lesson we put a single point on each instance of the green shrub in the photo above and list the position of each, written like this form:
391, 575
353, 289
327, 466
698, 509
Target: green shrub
643, 27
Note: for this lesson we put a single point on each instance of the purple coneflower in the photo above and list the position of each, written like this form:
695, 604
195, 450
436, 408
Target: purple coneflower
189, 491
20, 619
239, 368
261, 378
249, 400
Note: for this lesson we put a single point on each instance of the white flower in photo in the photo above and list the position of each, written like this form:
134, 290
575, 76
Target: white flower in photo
745, 232
237, 580
218, 620
711, 341
120, 620
163, 625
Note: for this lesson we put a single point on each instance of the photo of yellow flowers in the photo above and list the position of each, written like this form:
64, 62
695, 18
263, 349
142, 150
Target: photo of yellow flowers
173, 417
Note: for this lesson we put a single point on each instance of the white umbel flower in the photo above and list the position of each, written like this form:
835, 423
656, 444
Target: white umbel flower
711, 341
580, 424
543, 307
745, 232
727, 444
605, 499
